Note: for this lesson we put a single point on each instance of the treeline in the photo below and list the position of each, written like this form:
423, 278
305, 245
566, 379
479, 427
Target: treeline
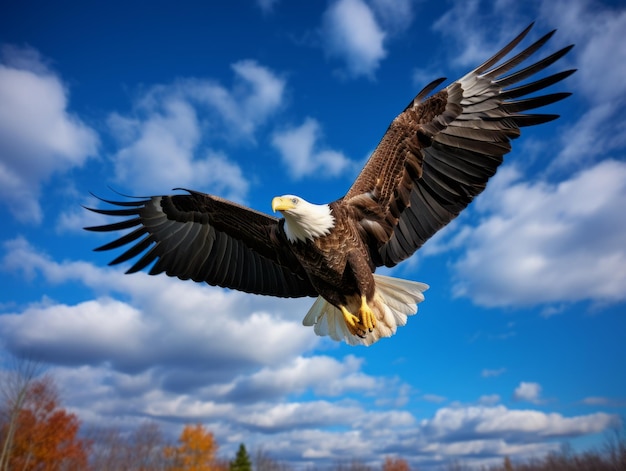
37, 433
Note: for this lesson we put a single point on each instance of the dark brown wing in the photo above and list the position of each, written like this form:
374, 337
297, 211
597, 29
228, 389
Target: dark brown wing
204, 238
439, 153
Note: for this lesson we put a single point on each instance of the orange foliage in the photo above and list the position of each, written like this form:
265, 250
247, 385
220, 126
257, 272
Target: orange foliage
46, 435
196, 451
396, 464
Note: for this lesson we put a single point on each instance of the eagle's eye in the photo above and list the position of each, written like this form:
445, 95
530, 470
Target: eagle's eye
294, 200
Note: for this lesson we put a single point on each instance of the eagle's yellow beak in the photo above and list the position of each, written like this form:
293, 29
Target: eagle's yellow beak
281, 203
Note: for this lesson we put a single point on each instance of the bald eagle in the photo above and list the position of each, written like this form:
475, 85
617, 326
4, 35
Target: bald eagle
434, 158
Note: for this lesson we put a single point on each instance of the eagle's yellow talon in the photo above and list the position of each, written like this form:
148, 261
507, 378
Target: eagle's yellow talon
353, 323
361, 324
368, 319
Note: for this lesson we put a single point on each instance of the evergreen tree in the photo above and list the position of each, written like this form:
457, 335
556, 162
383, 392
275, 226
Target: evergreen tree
242, 460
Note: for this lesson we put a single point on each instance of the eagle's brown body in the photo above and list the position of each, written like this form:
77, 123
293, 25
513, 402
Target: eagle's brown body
435, 157
338, 264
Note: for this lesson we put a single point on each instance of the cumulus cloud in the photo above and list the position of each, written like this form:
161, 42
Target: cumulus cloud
52, 326
301, 153
603, 401
553, 240
600, 57
256, 94
160, 154
395, 16
322, 374
102, 352
303, 415
450, 424
435, 398
489, 399
596, 28
351, 33
256, 398
475, 30
529, 392
356, 32
39, 136
541, 242
168, 142
183, 315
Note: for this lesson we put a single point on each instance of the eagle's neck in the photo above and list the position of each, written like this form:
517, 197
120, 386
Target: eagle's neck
308, 222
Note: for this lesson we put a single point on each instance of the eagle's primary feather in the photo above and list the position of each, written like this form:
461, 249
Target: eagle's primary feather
436, 156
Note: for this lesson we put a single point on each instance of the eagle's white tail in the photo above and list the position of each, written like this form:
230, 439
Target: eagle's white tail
394, 301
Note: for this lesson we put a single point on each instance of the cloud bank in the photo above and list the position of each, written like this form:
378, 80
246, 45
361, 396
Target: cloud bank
39, 135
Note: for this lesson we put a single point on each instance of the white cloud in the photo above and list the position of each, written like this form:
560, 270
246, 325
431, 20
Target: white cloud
300, 152
183, 315
267, 6
39, 137
357, 31
547, 243
487, 373
350, 32
450, 424
323, 430
102, 352
263, 91
70, 330
75, 218
256, 94
600, 56
596, 134
161, 156
597, 29
475, 31
394, 15
603, 401
489, 399
286, 416
167, 141
543, 242
529, 392
434, 398
321, 374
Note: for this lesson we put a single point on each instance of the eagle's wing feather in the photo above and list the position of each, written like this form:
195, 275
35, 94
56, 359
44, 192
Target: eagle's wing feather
439, 153
205, 238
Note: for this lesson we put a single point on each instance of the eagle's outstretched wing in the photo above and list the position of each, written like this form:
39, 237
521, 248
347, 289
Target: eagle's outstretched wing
439, 153
205, 238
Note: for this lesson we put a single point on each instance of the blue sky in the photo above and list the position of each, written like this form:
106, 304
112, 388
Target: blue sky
519, 345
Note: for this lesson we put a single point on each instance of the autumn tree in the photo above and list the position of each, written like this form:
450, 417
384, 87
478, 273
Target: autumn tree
14, 385
242, 460
196, 450
108, 451
146, 448
140, 450
395, 464
45, 436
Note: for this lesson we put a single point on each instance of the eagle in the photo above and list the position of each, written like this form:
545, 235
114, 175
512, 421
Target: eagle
436, 156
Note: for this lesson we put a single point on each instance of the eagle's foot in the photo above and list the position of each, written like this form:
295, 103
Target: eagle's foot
368, 319
361, 324
353, 323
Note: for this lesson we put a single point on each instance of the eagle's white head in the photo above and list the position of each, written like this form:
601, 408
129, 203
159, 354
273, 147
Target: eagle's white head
303, 220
